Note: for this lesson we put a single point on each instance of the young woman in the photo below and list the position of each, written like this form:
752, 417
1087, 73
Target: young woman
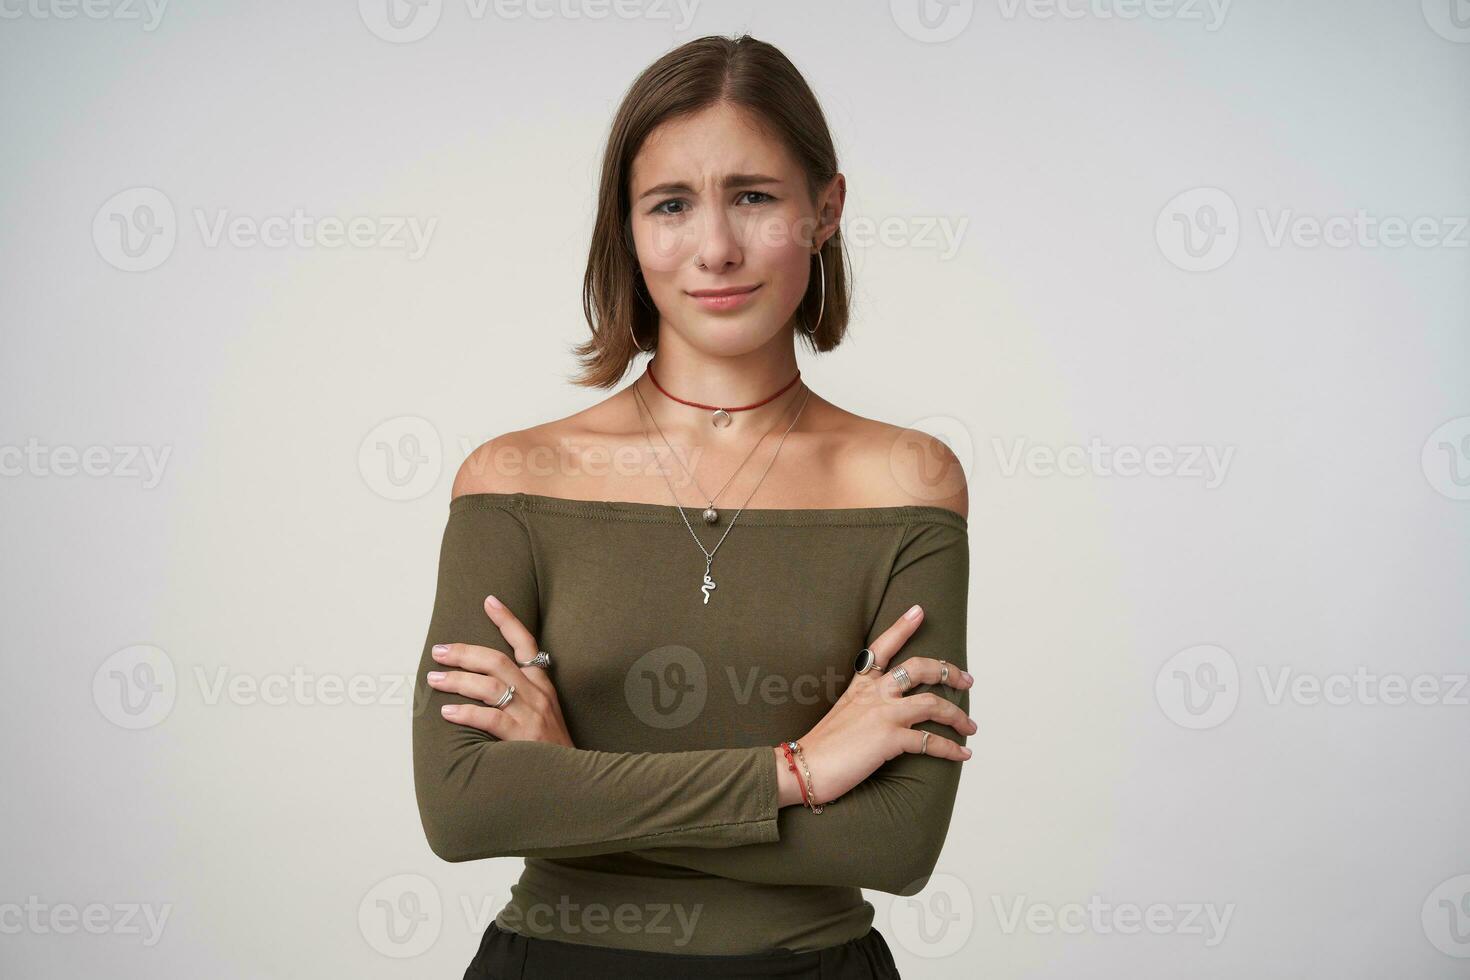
697, 652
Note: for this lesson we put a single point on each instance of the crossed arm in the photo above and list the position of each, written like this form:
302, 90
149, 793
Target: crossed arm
713, 810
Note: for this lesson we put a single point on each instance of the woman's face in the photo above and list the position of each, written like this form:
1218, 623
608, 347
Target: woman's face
714, 185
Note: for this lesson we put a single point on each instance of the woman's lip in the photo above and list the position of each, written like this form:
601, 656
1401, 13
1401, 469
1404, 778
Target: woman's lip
728, 302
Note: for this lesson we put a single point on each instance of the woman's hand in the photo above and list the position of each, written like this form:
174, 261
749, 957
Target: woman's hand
482, 673
871, 722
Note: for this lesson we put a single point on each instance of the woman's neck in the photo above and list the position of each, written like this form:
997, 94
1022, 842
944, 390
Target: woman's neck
728, 383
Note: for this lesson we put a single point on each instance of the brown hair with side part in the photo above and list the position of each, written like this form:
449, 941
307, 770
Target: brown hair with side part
708, 71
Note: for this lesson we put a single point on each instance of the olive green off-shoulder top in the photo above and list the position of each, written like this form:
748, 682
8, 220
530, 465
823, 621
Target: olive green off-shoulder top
661, 830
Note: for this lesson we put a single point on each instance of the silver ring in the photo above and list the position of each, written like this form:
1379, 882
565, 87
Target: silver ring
943, 672
902, 676
924, 744
510, 692
542, 660
867, 660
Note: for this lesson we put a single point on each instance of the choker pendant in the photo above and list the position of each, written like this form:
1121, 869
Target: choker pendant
720, 419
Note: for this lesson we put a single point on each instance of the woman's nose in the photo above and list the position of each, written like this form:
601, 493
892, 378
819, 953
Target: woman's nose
717, 246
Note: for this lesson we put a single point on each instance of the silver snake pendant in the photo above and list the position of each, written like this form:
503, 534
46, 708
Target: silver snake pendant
709, 583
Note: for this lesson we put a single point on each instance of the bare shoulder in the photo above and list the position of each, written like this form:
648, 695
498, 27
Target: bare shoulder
493, 467
907, 466
519, 461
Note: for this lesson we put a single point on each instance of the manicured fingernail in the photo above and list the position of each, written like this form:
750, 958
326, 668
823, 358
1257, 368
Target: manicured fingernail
913, 612
967, 752
448, 710
966, 675
495, 602
440, 650
436, 675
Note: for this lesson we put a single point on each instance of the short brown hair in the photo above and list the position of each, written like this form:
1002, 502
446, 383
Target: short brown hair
708, 71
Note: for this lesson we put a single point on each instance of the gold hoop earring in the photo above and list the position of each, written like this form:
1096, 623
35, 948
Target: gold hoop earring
639, 274
822, 274
635, 339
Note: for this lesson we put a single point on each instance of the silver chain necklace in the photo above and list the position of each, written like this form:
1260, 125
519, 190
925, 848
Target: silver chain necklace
710, 514
709, 555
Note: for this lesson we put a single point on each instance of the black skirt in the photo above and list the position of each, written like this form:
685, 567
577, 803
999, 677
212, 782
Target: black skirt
505, 955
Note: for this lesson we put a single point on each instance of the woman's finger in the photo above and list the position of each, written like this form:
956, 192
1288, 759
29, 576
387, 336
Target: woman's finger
928, 706
514, 631
470, 685
520, 640
491, 720
483, 660
890, 640
935, 745
927, 670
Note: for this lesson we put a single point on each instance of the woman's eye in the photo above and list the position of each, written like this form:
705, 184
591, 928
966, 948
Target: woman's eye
662, 207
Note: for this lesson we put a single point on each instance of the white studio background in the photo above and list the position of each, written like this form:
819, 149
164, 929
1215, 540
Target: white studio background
1185, 284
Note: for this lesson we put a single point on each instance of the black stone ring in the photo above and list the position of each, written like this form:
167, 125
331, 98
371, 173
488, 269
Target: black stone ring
866, 661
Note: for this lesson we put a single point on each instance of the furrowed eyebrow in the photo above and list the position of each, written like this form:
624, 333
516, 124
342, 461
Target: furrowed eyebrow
728, 183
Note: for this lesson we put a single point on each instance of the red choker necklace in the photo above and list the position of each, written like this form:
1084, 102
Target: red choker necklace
721, 417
